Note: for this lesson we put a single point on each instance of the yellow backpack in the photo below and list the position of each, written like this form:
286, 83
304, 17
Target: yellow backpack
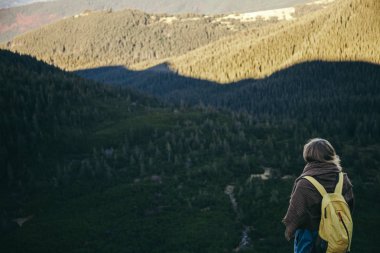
336, 223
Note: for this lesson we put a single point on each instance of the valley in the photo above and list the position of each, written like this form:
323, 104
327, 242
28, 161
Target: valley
135, 131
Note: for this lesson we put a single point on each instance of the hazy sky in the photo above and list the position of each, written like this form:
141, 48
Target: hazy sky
8, 3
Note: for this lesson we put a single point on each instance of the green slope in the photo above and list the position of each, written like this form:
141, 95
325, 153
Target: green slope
103, 169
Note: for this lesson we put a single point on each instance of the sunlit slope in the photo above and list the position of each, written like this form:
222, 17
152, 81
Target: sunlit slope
126, 37
20, 19
347, 31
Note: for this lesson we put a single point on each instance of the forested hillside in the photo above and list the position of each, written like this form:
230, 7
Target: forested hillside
329, 98
100, 168
103, 169
126, 37
163, 161
212, 48
43, 110
139, 40
346, 31
18, 20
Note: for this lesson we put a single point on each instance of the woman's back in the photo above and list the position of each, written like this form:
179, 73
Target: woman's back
304, 212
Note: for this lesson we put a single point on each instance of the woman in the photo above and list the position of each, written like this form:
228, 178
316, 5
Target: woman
304, 212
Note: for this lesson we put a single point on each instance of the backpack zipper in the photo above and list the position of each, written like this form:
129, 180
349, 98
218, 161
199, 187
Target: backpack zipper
344, 225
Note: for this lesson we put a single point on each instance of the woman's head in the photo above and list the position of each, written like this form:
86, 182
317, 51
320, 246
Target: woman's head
320, 150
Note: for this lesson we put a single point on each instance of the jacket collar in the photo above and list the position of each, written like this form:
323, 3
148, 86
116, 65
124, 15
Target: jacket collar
319, 168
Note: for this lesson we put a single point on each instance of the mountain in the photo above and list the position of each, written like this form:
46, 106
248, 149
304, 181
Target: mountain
91, 167
17, 20
313, 93
136, 39
126, 37
239, 50
100, 168
346, 31
43, 107
297, 82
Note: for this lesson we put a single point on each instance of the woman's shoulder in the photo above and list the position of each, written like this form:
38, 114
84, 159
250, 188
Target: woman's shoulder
303, 183
327, 181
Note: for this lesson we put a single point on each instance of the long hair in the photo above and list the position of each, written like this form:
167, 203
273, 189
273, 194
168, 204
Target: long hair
320, 150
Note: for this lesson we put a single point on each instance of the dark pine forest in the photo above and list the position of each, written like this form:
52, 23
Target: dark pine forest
104, 168
130, 152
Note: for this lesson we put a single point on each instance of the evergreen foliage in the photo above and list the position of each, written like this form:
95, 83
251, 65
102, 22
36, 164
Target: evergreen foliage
334, 98
346, 31
17, 20
120, 172
123, 38
106, 169
41, 105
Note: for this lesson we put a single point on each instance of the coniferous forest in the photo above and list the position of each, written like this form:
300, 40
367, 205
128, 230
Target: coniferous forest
110, 159
114, 164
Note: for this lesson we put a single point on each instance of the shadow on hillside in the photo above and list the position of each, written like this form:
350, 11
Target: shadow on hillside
158, 81
162, 82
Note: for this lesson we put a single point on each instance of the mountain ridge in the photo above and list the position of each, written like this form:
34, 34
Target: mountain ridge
222, 51
75, 152
327, 38
14, 21
126, 37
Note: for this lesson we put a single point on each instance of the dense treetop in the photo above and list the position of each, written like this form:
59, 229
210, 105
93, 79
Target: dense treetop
21, 19
346, 31
208, 47
133, 38
74, 153
101, 168
124, 38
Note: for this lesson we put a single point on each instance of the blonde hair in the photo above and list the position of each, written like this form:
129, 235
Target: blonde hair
320, 150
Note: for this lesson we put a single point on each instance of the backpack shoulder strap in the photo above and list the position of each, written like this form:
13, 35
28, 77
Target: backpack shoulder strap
339, 185
317, 185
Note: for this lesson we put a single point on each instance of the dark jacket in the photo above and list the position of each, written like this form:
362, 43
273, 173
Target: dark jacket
305, 202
